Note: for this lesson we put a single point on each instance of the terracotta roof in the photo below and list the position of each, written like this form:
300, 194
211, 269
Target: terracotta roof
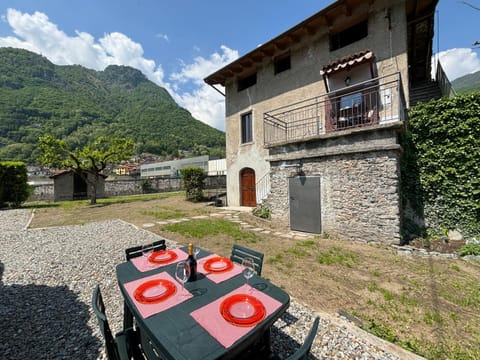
347, 61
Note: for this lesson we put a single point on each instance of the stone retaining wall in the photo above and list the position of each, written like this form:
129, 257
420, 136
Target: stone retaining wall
359, 184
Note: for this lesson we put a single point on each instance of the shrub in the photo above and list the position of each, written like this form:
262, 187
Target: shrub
192, 178
469, 249
262, 211
14, 188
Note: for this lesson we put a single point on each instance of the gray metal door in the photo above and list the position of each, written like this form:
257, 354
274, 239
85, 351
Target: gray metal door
305, 210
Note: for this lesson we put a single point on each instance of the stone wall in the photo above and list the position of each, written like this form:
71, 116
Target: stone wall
359, 182
359, 195
121, 187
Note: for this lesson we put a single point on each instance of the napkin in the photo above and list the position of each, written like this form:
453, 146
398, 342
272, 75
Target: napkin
142, 263
147, 310
210, 318
218, 277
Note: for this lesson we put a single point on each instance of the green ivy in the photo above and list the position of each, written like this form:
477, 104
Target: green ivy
445, 140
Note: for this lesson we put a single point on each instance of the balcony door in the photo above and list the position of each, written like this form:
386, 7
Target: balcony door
248, 192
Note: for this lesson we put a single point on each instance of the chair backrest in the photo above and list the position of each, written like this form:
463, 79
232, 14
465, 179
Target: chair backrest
240, 252
302, 352
136, 251
99, 309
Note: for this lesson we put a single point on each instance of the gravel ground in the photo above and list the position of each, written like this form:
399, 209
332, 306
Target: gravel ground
46, 282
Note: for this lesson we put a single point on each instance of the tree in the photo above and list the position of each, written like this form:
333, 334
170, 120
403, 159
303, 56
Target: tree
88, 162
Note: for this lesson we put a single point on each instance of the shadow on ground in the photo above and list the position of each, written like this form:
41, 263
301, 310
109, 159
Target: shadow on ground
44, 322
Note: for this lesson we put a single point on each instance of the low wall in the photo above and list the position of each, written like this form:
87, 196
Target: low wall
124, 187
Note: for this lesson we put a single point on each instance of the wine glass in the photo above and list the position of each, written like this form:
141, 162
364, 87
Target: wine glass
147, 250
196, 250
248, 268
182, 273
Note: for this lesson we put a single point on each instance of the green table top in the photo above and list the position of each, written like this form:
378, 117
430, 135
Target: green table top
177, 335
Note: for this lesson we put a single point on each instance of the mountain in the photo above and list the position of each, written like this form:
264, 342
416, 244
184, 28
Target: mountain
467, 83
78, 104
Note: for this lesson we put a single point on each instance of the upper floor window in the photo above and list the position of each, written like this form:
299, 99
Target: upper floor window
247, 81
349, 35
281, 64
246, 128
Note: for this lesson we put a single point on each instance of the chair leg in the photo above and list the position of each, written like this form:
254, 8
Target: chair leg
127, 317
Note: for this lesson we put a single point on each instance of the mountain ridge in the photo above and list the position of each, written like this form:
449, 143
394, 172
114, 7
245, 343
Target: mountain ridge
467, 83
78, 104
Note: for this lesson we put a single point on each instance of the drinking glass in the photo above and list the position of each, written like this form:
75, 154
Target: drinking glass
248, 268
182, 273
147, 250
196, 249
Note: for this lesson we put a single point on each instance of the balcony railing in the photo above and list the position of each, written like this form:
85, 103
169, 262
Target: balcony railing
372, 102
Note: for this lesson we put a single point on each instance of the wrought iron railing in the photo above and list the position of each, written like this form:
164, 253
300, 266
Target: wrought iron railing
262, 187
372, 102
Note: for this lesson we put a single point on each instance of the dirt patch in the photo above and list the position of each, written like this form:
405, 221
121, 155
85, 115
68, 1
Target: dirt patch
442, 246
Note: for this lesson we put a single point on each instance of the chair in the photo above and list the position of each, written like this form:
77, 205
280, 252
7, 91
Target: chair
131, 253
240, 252
136, 251
302, 352
125, 344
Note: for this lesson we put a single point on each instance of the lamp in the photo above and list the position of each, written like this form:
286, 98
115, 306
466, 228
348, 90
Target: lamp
347, 81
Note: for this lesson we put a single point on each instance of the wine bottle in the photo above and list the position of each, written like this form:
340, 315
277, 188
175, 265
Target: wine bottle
192, 263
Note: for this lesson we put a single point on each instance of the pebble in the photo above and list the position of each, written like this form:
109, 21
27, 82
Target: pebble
47, 277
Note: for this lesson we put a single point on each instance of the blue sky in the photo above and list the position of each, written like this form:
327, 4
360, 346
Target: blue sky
177, 43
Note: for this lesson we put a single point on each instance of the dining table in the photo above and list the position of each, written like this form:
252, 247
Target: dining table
220, 315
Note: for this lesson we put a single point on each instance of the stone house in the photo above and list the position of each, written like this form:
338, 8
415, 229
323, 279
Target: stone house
67, 185
313, 117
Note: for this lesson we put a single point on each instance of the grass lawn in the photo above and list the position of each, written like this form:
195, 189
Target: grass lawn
430, 306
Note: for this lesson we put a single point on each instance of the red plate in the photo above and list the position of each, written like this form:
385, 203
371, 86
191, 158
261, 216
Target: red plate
154, 291
162, 256
218, 264
242, 310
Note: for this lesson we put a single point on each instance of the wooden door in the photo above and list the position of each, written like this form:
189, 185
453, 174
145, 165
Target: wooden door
247, 188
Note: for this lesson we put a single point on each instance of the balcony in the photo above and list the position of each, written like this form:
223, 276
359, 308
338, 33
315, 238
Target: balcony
373, 102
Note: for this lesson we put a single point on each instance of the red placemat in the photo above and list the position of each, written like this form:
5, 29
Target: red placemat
146, 310
220, 276
210, 318
142, 264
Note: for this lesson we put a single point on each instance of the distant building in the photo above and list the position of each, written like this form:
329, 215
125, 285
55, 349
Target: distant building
127, 169
172, 168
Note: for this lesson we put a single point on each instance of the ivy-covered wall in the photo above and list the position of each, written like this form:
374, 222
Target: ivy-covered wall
441, 167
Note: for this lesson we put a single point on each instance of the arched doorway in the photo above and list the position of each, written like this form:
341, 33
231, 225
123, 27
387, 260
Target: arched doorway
247, 188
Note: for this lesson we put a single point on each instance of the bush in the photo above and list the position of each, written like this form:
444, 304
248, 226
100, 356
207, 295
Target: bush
14, 188
469, 249
262, 211
192, 179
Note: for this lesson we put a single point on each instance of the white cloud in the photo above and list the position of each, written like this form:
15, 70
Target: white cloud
163, 37
457, 62
203, 101
35, 32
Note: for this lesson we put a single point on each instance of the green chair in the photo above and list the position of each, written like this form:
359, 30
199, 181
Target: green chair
136, 251
131, 253
240, 252
125, 344
303, 351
